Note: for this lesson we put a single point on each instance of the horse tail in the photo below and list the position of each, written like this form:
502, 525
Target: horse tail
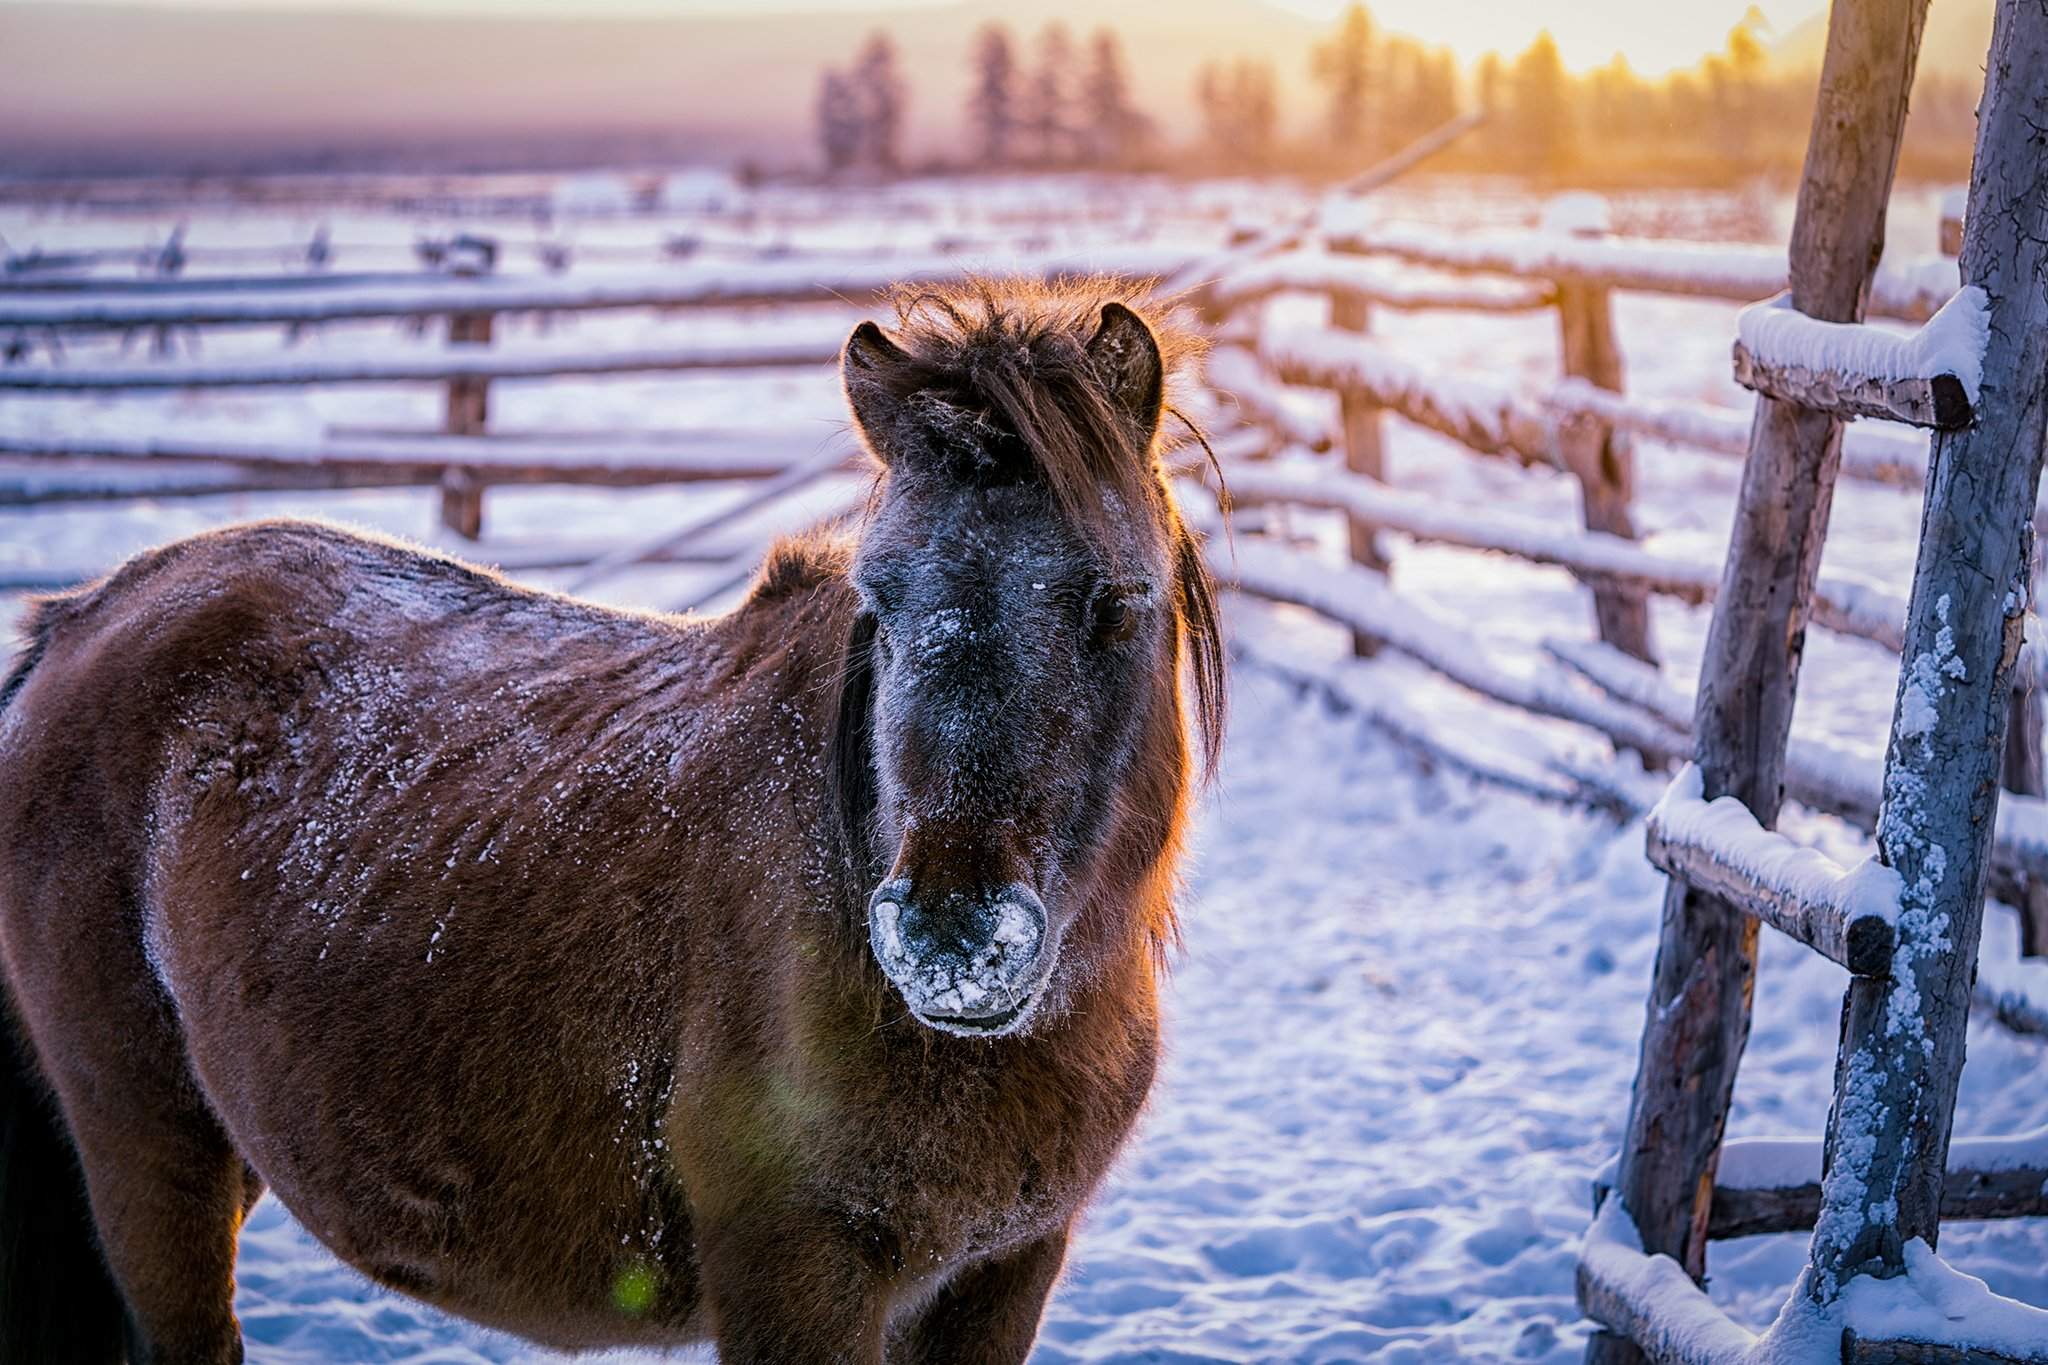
58, 1300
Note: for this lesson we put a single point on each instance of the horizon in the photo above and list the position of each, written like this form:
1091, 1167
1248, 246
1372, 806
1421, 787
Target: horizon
1589, 34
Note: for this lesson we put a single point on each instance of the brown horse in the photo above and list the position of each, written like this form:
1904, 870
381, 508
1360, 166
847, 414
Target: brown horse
786, 979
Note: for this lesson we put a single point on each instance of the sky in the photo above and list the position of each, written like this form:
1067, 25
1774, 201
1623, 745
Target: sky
1657, 36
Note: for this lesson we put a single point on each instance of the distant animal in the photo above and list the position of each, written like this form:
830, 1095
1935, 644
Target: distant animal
787, 979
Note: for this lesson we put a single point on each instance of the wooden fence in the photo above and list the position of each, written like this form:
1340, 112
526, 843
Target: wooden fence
464, 458
1905, 924
1283, 457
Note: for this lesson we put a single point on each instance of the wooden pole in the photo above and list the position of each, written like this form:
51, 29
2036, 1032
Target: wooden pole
2025, 774
1698, 1016
462, 492
1903, 1038
1599, 457
1359, 418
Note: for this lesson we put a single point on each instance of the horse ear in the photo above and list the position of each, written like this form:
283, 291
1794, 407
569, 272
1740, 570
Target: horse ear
864, 366
1127, 354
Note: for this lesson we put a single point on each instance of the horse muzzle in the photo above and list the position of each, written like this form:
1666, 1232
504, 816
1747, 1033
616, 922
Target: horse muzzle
974, 965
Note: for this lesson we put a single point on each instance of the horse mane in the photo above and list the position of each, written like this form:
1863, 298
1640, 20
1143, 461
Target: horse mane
1004, 365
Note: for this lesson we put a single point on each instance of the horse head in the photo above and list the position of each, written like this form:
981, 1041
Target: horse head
1012, 735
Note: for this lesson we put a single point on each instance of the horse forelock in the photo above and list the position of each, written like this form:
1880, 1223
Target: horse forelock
999, 370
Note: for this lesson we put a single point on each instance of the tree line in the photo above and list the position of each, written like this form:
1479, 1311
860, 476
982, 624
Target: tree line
1056, 108
1060, 105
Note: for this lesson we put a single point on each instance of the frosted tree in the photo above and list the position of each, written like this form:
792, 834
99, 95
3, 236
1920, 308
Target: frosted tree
1343, 64
1112, 127
839, 121
1047, 121
1542, 99
1240, 113
880, 96
992, 104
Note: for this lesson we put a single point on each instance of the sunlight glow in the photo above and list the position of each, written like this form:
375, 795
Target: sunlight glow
1656, 39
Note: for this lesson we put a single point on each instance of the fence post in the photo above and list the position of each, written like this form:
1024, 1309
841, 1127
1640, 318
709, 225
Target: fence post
1895, 1088
2026, 774
1359, 418
1951, 232
462, 490
1697, 1020
1599, 457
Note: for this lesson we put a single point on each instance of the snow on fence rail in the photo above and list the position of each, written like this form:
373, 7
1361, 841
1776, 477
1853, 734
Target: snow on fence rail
690, 285
684, 457
1843, 605
1502, 420
1846, 914
1929, 379
1378, 282
1768, 1185
1912, 289
449, 366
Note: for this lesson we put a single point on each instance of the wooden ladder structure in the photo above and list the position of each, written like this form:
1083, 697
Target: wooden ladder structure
1907, 925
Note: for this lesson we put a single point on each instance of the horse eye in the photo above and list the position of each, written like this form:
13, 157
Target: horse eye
1114, 619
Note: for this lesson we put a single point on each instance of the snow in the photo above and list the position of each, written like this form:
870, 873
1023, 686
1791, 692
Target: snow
946, 983
1951, 342
1578, 213
1785, 1163
1934, 1302
1725, 830
1382, 281
1914, 288
1404, 1018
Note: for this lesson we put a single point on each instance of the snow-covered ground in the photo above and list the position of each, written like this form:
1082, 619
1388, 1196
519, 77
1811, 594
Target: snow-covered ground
1405, 1019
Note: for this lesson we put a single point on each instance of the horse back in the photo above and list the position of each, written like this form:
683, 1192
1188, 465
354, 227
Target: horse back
413, 857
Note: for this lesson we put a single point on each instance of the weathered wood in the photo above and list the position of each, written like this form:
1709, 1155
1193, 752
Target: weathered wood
1427, 744
1950, 234
2026, 774
396, 461
1358, 598
1595, 557
1896, 1077
1697, 1020
462, 492
673, 539
1874, 452
1358, 417
1968, 1195
1601, 458
1485, 418
1939, 402
1862, 944
720, 284
1655, 1311
1858, 1351
1913, 289
450, 366
1237, 373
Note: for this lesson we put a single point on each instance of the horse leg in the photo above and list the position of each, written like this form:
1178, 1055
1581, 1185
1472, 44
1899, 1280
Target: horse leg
166, 1187
988, 1314
783, 1290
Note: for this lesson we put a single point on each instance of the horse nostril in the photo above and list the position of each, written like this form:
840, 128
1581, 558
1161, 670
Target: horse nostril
971, 958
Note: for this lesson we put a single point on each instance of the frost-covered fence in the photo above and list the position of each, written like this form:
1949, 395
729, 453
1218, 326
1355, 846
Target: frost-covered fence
1906, 924
1584, 423
464, 288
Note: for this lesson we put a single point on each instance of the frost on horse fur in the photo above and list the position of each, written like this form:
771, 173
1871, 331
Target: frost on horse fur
786, 979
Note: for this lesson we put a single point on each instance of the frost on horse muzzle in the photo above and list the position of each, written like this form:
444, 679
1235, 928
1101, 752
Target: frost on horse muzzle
973, 964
